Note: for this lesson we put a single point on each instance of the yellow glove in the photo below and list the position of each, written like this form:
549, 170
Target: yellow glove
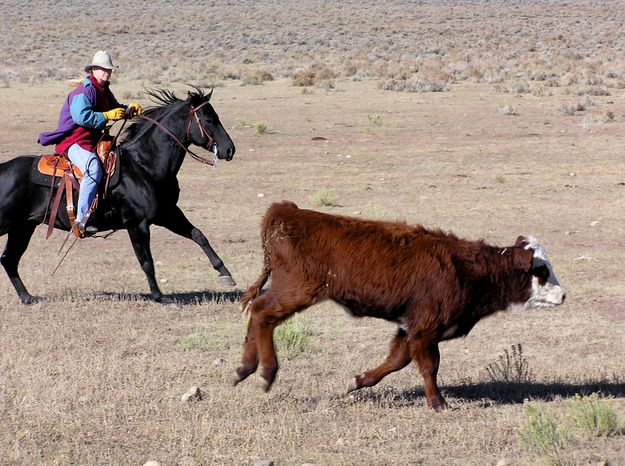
115, 114
134, 109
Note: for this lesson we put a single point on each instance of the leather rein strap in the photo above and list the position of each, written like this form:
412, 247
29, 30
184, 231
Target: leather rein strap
203, 132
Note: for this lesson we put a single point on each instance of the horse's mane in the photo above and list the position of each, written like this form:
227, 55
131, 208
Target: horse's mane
163, 99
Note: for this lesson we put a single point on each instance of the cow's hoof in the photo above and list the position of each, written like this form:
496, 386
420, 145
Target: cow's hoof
438, 404
243, 372
268, 374
226, 280
353, 385
267, 386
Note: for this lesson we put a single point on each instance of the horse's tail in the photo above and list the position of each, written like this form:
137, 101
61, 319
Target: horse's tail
254, 291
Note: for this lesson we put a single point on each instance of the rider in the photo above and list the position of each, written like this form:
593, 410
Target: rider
85, 113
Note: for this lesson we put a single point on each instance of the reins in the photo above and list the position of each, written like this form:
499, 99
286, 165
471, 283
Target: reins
211, 141
203, 132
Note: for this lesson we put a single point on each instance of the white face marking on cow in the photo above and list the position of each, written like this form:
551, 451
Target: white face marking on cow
547, 294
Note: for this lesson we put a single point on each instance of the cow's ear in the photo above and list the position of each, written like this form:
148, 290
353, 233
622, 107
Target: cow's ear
523, 259
520, 241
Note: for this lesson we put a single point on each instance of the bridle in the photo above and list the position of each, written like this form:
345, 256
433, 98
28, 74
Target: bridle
192, 114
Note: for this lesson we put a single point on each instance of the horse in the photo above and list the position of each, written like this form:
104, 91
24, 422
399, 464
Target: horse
146, 193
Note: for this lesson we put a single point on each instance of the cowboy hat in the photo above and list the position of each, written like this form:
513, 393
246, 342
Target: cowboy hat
101, 59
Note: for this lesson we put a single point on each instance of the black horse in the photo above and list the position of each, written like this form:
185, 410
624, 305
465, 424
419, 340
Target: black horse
147, 191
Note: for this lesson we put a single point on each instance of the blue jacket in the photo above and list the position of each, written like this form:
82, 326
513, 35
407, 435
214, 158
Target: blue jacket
83, 107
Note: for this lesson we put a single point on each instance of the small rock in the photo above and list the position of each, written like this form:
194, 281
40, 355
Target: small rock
260, 195
193, 394
219, 362
503, 462
263, 463
594, 224
152, 463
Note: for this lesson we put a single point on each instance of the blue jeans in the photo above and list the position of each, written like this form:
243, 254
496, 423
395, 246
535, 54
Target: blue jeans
92, 174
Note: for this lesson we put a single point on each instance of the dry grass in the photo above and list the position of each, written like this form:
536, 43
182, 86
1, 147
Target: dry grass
94, 375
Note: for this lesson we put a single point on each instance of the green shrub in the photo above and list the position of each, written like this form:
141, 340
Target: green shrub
595, 416
509, 110
542, 433
325, 197
291, 337
197, 340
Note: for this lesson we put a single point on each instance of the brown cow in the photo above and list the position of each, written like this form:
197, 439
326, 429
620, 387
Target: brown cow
434, 285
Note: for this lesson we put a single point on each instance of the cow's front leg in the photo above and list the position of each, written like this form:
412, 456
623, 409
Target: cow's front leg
426, 355
175, 221
398, 358
140, 239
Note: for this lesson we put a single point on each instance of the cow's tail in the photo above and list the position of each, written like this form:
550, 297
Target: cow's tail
254, 291
273, 232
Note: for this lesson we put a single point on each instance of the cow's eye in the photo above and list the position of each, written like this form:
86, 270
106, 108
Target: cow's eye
541, 272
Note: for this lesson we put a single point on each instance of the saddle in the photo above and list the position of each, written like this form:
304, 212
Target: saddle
61, 174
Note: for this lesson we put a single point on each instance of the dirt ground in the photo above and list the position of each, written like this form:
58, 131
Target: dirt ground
94, 374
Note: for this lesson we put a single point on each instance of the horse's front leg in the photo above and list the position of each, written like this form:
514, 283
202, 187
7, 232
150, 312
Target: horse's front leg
174, 220
140, 239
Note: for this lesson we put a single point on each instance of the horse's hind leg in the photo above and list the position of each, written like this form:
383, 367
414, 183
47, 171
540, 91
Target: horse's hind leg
175, 221
140, 239
17, 242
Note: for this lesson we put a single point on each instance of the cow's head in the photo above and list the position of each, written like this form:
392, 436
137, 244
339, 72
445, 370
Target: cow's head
546, 290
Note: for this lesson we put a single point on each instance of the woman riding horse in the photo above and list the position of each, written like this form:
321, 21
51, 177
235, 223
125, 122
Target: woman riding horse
145, 193
85, 113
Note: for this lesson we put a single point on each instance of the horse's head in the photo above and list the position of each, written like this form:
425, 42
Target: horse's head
204, 128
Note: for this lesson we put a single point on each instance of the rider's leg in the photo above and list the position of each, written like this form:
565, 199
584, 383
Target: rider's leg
89, 165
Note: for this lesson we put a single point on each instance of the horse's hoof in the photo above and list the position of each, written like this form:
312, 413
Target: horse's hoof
167, 301
30, 299
226, 280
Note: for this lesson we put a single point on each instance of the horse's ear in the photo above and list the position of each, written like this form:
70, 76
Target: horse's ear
210, 94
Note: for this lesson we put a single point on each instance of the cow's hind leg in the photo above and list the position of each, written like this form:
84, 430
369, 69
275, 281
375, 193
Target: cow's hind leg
426, 355
266, 312
398, 358
17, 242
249, 359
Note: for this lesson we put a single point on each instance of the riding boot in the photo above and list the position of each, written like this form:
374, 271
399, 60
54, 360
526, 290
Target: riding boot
85, 227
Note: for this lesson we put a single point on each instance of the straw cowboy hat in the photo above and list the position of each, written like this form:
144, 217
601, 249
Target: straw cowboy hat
101, 59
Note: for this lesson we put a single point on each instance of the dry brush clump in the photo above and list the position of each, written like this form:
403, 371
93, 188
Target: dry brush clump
560, 44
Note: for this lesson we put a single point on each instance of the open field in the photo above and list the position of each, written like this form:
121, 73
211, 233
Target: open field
527, 136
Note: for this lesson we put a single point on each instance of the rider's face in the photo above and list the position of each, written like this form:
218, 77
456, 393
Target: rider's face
102, 75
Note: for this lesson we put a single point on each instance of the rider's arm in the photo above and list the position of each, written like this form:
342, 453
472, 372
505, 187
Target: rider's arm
84, 114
